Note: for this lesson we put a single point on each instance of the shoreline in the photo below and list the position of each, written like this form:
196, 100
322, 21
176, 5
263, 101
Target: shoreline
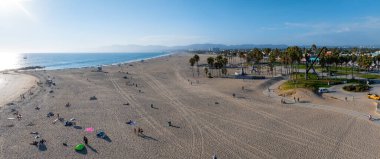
14, 84
40, 67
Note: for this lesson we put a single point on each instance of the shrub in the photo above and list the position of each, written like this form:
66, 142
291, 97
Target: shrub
357, 88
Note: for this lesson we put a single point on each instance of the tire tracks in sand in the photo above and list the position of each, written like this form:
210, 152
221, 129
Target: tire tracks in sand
160, 130
229, 139
331, 142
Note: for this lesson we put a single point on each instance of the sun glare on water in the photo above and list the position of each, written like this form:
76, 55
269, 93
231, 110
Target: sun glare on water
10, 61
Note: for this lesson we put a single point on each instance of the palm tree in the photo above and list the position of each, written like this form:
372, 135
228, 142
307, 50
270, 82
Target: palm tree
285, 61
192, 62
234, 54
196, 57
206, 71
242, 56
353, 60
219, 63
272, 59
295, 55
257, 57
267, 51
346, 60
377, 58
276, 53
224, 71
365, 62
210, 62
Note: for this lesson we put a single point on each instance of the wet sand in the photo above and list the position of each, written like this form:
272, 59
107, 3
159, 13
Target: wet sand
13, 84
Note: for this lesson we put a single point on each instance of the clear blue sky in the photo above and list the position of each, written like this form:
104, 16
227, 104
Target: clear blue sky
61, 25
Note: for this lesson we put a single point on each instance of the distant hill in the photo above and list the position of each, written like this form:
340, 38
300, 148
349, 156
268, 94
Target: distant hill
152, 48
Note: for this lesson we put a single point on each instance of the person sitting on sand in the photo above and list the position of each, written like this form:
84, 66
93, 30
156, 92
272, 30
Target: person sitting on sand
19, 116
370, 117
35, 143
42, 142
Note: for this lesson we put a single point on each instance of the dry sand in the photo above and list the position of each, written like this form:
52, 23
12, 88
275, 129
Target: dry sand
251, 125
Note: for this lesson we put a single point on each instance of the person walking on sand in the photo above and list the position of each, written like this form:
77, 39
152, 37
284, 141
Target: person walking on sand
294, 99
298, 99
85, 140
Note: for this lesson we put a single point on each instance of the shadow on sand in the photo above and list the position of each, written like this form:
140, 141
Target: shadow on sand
78, 127
147, 137
107, 138
92, 149
42, 147
174, 126
83, 152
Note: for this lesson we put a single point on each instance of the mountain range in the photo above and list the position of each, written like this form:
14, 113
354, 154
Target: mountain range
153, 48
194, 47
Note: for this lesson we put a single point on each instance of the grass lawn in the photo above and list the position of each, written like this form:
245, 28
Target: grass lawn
312, 83
369, 76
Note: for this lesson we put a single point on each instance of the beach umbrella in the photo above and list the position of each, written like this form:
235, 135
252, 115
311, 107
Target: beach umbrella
90, 129
79, 147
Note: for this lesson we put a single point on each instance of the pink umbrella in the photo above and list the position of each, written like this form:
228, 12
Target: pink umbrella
90, 129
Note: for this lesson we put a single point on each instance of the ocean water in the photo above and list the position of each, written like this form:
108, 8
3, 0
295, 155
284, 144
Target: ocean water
53, 61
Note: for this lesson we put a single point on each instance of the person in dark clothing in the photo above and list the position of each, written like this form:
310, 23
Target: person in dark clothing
85, 140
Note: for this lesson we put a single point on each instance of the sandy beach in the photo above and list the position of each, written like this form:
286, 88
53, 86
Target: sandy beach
13, 84
205, 118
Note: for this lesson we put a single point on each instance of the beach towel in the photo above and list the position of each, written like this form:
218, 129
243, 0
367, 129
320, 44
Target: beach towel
90, 130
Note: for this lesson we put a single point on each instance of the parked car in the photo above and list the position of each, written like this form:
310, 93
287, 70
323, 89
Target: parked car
373, 96
323, 90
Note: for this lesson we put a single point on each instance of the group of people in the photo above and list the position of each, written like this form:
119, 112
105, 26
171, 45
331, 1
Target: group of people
283, 101
295, 101
139, 131
22, 96
38, 143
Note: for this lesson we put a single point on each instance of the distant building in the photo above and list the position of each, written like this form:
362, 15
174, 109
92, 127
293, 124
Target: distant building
215, 50
375, 53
